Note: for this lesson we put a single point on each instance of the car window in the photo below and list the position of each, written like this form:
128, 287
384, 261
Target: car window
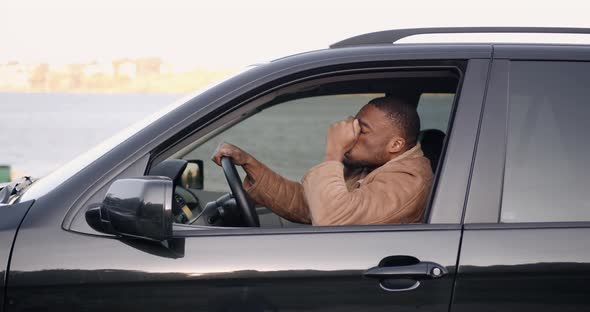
290, 137
546, 175
434, 110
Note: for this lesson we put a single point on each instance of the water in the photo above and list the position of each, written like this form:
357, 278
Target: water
42, 131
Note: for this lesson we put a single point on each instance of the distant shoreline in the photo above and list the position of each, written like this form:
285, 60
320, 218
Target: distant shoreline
166, 83
91, 92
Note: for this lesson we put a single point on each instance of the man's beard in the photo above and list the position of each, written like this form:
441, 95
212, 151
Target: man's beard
353, 164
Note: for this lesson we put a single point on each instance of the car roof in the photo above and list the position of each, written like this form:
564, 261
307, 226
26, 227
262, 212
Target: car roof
440, 51
404, 51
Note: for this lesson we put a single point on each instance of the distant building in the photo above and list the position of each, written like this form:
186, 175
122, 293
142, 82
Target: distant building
166, 68
14, 75
125, 68
98, 68
149, 66
39, 76
123, 74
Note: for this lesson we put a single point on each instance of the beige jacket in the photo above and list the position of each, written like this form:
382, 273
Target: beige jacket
393, 193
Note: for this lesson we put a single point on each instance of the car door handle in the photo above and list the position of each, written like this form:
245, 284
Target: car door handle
404, 273
421, 270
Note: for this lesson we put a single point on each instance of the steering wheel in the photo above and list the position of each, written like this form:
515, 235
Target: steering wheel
237, 189
186, 206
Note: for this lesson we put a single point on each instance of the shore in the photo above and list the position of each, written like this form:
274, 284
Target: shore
175, 82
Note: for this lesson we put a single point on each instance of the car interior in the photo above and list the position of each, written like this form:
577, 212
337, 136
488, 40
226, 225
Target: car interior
198, 203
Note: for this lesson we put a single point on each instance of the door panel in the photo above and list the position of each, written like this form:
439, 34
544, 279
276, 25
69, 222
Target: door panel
286, 272
503, 269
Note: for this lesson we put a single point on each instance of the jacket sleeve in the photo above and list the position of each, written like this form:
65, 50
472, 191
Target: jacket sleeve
284, 197
392, 196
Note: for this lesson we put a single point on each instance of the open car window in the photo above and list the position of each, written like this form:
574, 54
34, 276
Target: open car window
288, 135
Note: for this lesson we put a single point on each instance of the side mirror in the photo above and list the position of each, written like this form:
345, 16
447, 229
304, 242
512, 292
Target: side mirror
136, 207
193, 176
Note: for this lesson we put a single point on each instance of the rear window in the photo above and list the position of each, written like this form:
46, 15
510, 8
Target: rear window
547, 176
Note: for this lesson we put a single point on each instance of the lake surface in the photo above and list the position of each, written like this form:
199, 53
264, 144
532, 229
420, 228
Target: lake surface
41, 131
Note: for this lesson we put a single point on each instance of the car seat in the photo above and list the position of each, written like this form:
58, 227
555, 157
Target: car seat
432, 141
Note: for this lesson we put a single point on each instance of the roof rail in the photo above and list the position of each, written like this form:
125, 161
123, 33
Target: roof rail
391, 36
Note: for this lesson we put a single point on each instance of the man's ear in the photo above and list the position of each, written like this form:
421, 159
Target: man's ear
396, 145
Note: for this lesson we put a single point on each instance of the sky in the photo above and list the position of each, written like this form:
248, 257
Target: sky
229, 34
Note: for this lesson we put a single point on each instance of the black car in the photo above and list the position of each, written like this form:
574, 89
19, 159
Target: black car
146, 222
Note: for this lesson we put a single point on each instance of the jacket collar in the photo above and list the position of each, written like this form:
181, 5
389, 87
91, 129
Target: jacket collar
413, 152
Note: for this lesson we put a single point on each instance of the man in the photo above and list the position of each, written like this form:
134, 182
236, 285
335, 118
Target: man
374, 172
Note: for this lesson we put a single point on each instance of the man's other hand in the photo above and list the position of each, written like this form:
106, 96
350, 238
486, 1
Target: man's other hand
238, 156
341, 137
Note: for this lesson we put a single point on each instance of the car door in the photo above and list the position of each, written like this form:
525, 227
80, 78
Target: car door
351, 268
525, 245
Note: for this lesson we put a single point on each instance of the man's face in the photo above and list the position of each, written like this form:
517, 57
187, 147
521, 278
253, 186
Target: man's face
372, 148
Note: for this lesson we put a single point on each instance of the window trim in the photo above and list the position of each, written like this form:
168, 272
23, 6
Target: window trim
244, 109
455, 167
186, 231
485, 190
527, 225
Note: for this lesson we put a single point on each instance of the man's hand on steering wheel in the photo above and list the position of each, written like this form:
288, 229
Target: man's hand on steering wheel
227, 156
238, 156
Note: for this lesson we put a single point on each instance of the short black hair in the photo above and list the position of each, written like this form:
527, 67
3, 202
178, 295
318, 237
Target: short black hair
403, 115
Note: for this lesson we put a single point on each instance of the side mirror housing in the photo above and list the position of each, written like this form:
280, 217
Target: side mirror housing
136, 207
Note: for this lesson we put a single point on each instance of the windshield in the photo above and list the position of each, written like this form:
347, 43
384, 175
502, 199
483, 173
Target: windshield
43, 185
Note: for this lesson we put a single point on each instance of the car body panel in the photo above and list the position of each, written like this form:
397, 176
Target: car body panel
227, 272
10, 219
507, 268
